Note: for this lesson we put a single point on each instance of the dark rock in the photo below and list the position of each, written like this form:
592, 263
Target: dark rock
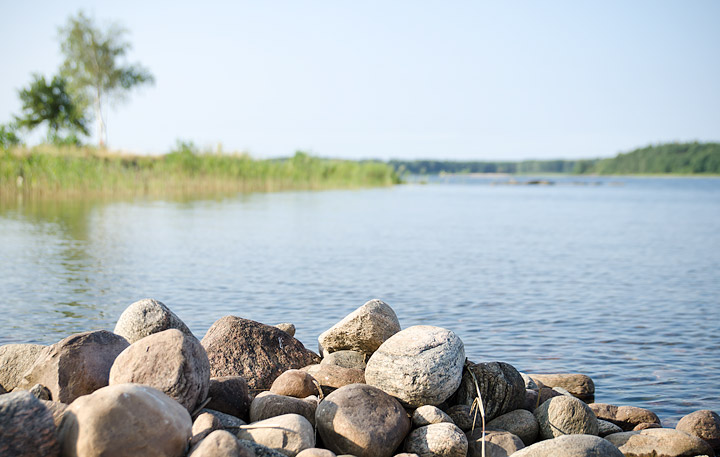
258, 450
230, 395
571, 446
498, 443
15, 360
169, 361
146, 317
57, 410
26, 427
606, 428
501, 387
125, 420
520, 422
220, 443
228, 421
627, 417
704, 424
295, 383
346, 359
464, 417
665, 442
268, 404
75, 366
565, 416
257, 352
442, 440
41, 392
361, 420
331, 377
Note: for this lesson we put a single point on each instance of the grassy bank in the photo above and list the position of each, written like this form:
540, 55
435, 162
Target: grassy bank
67, 171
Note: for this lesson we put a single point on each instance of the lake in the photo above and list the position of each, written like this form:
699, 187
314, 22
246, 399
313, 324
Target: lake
617, 278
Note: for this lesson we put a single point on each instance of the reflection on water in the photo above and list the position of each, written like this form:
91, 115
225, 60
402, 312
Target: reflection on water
616, 281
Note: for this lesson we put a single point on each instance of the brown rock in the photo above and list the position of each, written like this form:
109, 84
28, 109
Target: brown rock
15, 360
287, 328
501, 387
704, 424
646, 425
331, 377
361, 420
627, 417
169, 361
268, 404
441, 440
57, 410
346, 359
498, 443
125, 420
565, 416
204, 425
288, 434
257, 352
75, 366
220, 443
26, 427
579, 385
316, 452
665, 442
230, 395
295, 383
571, 446
520, 422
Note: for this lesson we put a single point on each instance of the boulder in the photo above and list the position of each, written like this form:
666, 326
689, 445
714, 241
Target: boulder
295, 383
220, 443
230, 395
704, 424
15, 360
268, 404
665, 442
579, 385
57, 410
361, 420
146, 317
287, 328
646, 425
501, 387
316, 452
428, 414
571, 446
346, 359
606, 428
437, 440
202, 426
288, 434
257, 352
363, 330
498, 443
331, 377
565, 416
258, 450
421, 365
531, 400
520, 422
169, 361
464, 417
627, 417
27, 428
125, 420
228, 421
75, 366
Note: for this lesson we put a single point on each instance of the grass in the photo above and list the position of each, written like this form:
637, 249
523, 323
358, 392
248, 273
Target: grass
56, 171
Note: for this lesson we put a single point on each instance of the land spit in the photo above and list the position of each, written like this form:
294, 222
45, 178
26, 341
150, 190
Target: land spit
151, 388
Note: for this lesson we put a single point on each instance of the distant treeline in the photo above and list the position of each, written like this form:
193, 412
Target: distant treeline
670, 158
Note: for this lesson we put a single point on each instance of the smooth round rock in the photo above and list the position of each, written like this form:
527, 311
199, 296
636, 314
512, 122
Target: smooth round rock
203, 425
361, 420
520, 422
267, 404
363, 330
565, 416
704, 424
15, 360
501, 387
606, 428
571, 446
421, 365
346, 359
288, 434
428, 414
577, 384
26, 427
169, 361
295, 383
437, 440
626, 417
220, 443
316, 452
331, 377
230, 395
146, 317
666, 442
75, 366
125, 420
498, 443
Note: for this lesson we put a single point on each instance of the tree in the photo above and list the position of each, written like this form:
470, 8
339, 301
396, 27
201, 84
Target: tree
93, 66
50, 103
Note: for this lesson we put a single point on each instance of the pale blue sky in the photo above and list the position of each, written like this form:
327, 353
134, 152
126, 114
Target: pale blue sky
406, 79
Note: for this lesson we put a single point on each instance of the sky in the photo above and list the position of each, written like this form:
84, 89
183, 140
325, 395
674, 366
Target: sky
451, 80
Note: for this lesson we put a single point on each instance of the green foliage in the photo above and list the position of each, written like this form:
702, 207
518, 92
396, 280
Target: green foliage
93, 65
8, 136
681, 158
49, 103
524, 167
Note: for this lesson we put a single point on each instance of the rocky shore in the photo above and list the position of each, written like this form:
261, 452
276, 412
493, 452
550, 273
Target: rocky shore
151, 388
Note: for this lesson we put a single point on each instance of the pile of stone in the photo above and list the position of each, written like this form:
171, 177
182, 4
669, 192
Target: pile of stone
151, 388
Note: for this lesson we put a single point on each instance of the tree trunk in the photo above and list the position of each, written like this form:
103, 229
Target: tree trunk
99, 117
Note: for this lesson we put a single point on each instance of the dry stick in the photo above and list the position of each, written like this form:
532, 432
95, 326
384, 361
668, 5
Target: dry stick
477, 405
199, 408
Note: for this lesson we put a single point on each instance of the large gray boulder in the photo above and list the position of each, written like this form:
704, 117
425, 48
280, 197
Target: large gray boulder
125, 420
26, 427
257, 352
520, 422
361, 420
146, 317
421, 365
363, 330
498, 443
565, 415
571, 446
665, 442
170, 361
501, 387
626, 417
704, 424
220, 443
75, 366
15, 360
437, 440
288, 434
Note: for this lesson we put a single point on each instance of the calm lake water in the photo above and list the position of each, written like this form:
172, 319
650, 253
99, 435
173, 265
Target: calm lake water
617, 278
